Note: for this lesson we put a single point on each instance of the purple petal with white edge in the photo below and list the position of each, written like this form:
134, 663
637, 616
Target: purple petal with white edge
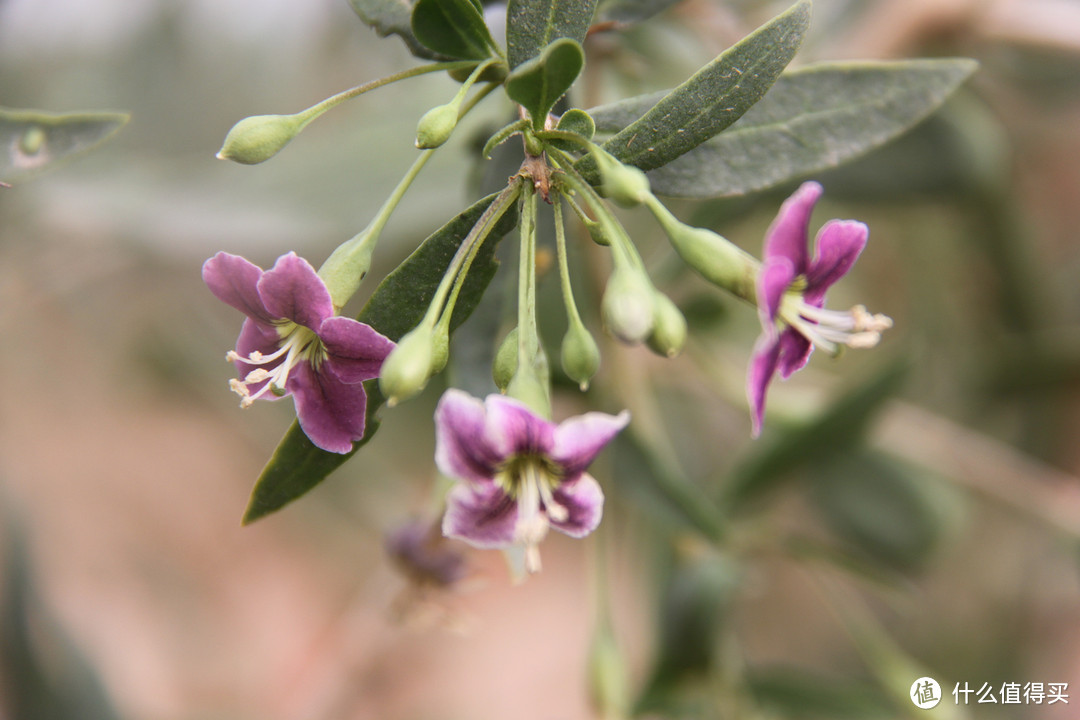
515, 429
794, 352
462, 447
234, 280
580, 439
584, 504
331, 413
483, 516
760, 373
292, 290
839, 244
787, 236
256, 337
774, 278
356, 350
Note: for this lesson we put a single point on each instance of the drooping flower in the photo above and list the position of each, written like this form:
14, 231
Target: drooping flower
519, 473
292, 343
791, 289
427, 558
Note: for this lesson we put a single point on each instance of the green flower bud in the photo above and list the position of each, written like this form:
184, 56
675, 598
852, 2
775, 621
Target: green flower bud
626, 185
669, 327
260, 137
609, 690
627, 305
440, 348
407, 368
506, 361
436, 126
580, 355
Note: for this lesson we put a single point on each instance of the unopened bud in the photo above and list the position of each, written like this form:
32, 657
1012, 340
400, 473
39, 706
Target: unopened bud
506, 361
669, 327
627, 305
436, 126
440, 348
580, 355
260, 137
625, 184
407, 368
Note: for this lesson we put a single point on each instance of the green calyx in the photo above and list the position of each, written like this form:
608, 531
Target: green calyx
628, 305
407, 368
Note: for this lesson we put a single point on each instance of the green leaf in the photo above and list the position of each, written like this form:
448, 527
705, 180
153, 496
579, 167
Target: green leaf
532, 25
840, 427
629, 12
710, 101
878, 507
538, 84
811, 120
396, 307
454, 28
35, 141
391, 17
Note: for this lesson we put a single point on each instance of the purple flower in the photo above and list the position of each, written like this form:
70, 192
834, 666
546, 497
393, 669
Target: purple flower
293, 344
520, 474
791, 290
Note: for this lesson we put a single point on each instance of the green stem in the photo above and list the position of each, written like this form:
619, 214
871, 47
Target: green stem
564, 266
306, 116
459, 266
530, 381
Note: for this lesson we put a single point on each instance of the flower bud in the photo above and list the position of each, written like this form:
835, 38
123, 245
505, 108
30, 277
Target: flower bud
506, 361
440, 348
407, 368
436, 126
627, 305
669, 327
258, 138
580, 355
625, 184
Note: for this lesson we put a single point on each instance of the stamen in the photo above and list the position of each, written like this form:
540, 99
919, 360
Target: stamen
300, 345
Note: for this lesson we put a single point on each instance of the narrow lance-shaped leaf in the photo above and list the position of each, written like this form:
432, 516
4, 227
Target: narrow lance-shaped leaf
453, 28
812, 120
714, 98
396, 306
539, 83
532, 25
33, 140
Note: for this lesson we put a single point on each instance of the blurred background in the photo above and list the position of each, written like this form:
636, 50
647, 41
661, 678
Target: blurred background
909, 511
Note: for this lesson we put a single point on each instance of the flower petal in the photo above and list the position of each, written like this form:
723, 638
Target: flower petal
292, 290
795, 352
484, 516
838, 246
234, 280
762, 368
774, 278
515, 429
332, 413
462, 446
787, 236
580, 439
356, 350
584, 503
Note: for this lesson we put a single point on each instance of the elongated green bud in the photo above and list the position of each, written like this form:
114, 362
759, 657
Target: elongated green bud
719, 261
407, 368
506, 361
436, 125
627, 305
348, 265
580, 355
260, 137
440, 348
669, 327
625, 184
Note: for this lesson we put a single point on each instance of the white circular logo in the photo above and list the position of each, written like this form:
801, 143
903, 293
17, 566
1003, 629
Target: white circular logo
925, 693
